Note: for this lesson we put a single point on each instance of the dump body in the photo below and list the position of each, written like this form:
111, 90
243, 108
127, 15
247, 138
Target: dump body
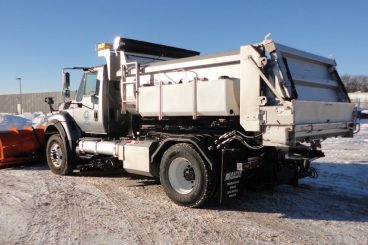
288, 95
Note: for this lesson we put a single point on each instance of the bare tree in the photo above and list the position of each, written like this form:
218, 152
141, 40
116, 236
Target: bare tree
354, 83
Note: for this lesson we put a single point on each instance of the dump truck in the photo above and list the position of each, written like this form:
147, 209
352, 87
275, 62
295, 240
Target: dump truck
207, 126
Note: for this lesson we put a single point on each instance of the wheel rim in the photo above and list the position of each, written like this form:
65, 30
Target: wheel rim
56, 155
181, 175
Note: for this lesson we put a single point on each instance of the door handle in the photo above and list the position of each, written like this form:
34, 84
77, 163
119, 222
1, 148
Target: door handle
95, 115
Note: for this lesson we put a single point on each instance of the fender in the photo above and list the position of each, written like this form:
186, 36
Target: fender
200, 143
65, 125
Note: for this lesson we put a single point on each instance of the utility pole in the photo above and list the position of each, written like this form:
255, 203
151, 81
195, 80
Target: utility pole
20, 94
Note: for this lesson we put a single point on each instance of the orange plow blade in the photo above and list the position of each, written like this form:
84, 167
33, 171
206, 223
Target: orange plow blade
21, 146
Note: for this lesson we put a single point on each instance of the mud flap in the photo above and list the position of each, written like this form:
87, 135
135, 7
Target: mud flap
235, 167
231, 177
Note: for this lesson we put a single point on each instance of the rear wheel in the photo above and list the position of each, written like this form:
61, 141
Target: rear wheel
185, 177
59, 157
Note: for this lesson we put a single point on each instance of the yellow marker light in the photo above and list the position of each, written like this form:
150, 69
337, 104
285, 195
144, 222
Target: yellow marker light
102, 46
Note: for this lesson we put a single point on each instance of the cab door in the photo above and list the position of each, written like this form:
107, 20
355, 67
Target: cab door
88, 110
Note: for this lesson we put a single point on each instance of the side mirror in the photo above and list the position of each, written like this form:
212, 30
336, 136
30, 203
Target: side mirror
66, 93
94, 99
49, 100
66, 80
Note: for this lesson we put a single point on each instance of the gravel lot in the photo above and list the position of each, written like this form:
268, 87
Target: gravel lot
38, 207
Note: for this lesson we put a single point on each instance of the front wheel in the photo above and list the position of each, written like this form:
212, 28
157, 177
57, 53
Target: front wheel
59, 157
185, 177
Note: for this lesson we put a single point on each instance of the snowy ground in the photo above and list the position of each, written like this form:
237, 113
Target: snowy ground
345, 167
38, 207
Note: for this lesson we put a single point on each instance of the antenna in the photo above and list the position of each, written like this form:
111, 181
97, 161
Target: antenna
267, 36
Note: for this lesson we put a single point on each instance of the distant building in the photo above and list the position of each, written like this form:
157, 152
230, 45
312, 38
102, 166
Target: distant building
31, 102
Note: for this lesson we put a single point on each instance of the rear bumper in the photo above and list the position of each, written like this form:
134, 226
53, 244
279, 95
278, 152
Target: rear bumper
289, 136
322, 130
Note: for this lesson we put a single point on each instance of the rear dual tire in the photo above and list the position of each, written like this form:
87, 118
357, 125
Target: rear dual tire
186, 178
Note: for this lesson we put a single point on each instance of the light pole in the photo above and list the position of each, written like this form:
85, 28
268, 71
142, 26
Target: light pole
20, 93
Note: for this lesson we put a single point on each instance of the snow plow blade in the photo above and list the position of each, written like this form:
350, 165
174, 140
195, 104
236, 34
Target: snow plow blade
21, 146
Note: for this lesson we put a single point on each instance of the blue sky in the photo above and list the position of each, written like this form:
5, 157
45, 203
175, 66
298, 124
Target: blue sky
40, 37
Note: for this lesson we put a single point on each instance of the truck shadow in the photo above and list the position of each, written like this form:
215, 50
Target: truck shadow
34, 166
339, 194
139, 180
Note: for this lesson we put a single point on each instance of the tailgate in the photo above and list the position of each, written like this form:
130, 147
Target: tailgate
316, 120
307, 112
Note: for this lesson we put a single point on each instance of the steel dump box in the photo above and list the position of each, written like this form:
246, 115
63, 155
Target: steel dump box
286, 94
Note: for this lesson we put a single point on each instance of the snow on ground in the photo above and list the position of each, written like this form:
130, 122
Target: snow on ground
342, 172
38, 207
8, 121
